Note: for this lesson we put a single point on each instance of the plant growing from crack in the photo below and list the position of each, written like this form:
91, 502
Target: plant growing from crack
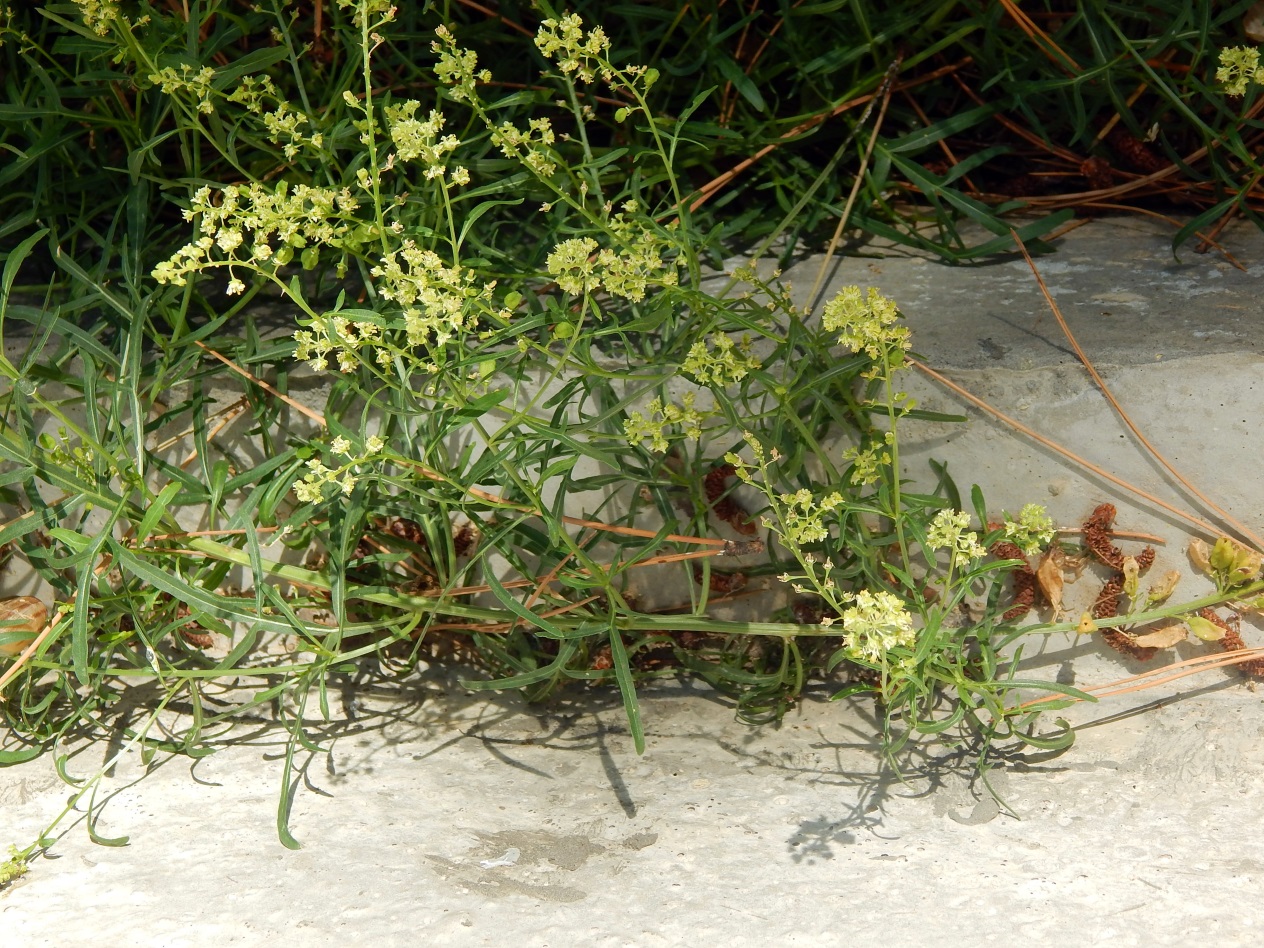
478, 384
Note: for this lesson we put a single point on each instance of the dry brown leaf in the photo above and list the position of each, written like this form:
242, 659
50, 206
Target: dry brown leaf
1159, 591
1165, 637
21, 614
1049, 578
1253, 23
1200, 555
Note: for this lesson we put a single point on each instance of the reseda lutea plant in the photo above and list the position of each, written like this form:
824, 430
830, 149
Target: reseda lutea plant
440, 334
521, 439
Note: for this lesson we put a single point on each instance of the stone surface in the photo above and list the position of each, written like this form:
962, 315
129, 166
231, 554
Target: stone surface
442, 817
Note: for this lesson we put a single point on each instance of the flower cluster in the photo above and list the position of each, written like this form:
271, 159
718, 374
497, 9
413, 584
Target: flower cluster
580, 268
311, 489
570, 265
418, 140
14, 867
253, 92
659, 417
367, 13
877, 623
86, 463
7, 29
803, 517
867, 464
293, 218
742, 469
948, 531
532, 147
867, 324
98, 15
1229, 562
1239, 67
337, 334
284, 126
196, 82
564, 41
1032, 531
725, 364
433, 297
640, 261
79, 459
457, 68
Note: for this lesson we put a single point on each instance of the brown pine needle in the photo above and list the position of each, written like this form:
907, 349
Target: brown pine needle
1207, 529
718, 183
1043, 40
885, 92
1160, 676
1210, 504
1206, 238
292, 402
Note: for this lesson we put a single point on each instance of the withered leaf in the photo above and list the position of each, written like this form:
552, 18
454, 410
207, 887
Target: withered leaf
1166, 584
1200, 555
1049, 578
1165, 637
24, 614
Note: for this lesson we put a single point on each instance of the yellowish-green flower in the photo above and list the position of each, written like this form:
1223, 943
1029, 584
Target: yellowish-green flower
1032, 531
437, 300
1239, 67
564, 41
867, 323
285, 128
803, 517
877, 623
14, 867
569, 264
369, 13
419, 140
277, 221
949, 531
867, 464
720, 362
659, 417
457, 68
195, 82
98, 15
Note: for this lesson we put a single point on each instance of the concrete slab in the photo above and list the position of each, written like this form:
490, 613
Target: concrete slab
442, 817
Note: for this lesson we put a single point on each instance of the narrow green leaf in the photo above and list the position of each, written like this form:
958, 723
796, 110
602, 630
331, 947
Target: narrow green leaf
627, 688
